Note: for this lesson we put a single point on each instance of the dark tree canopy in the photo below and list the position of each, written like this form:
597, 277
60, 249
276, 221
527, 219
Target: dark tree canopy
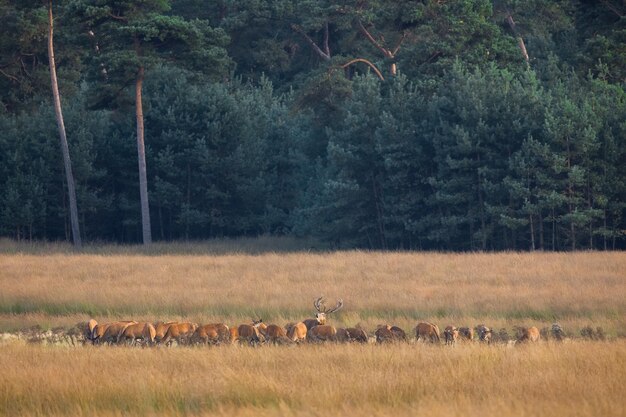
415, 124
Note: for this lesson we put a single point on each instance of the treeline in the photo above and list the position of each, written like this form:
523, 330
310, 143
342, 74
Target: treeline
470, 125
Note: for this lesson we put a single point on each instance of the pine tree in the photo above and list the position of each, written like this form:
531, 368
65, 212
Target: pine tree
130, 39
67, 163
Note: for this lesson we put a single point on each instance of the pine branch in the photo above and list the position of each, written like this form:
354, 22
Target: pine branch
325, 56
374, 42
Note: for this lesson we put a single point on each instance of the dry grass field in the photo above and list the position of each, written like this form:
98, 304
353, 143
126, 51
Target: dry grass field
51, 286
577, 379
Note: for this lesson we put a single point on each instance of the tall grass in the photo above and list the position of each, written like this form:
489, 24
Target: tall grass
575, 379
251, 246
51, 286
505, 288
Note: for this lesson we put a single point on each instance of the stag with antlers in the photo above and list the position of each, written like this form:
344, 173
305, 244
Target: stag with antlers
322, 311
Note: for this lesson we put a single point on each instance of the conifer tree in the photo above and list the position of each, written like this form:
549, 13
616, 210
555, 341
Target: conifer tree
129, 39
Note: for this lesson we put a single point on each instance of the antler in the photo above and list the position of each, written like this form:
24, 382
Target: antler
317, 303
337, 307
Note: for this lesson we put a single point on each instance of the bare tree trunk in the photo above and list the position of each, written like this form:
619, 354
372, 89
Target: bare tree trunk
532, 232
141, 154
61, 125
570, 198
553, 229
325, 53
379, 214
520, 40
605, 229
540, 230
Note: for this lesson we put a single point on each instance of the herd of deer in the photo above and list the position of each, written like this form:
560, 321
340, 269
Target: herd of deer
313, 330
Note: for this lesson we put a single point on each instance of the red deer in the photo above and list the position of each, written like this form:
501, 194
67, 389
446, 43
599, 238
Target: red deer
387, 334
398, 334
91, 324
427, 331
85, 329
384, 334
181, 332
101, 333
111, 331
357, 335
342, 335
527, 334
161, 328
557, 332
466, 333
322, 333
484, 333
213, 334
138, 331
250, 334
275, 334
296, 332
450, 335
98, 332
320, 316
234, 335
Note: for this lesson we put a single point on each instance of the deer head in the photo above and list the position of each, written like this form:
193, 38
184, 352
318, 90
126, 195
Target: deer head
322, 311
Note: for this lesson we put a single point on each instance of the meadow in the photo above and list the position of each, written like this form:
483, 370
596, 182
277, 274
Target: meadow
49, 286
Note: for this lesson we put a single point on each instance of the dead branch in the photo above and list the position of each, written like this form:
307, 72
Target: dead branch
365, 61
324, 55
9, 76
386, 52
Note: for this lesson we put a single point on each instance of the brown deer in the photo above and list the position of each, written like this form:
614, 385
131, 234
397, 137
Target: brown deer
342, 335
389, 334
108, 332
527, 334
91, 324
211, 334
322, 333
234, 335
85, 329
275, 334
351, 335
384, 334
466, 333
427, 331
450, 335
398, 334
357, 335
138, 331
181, 332
484, 333
250, 334
161, 328
322, 311
296, 332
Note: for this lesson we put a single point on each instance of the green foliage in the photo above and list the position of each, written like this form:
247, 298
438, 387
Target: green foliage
230, 147
256, 125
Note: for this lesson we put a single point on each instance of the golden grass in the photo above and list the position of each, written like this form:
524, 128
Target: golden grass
502, 289
50, 286
572, 379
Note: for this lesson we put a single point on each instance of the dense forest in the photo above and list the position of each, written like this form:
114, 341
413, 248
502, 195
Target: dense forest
431, 125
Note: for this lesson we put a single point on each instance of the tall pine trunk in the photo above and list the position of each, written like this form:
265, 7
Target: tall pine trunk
61, 125
532, 232
520, 40
141, 156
